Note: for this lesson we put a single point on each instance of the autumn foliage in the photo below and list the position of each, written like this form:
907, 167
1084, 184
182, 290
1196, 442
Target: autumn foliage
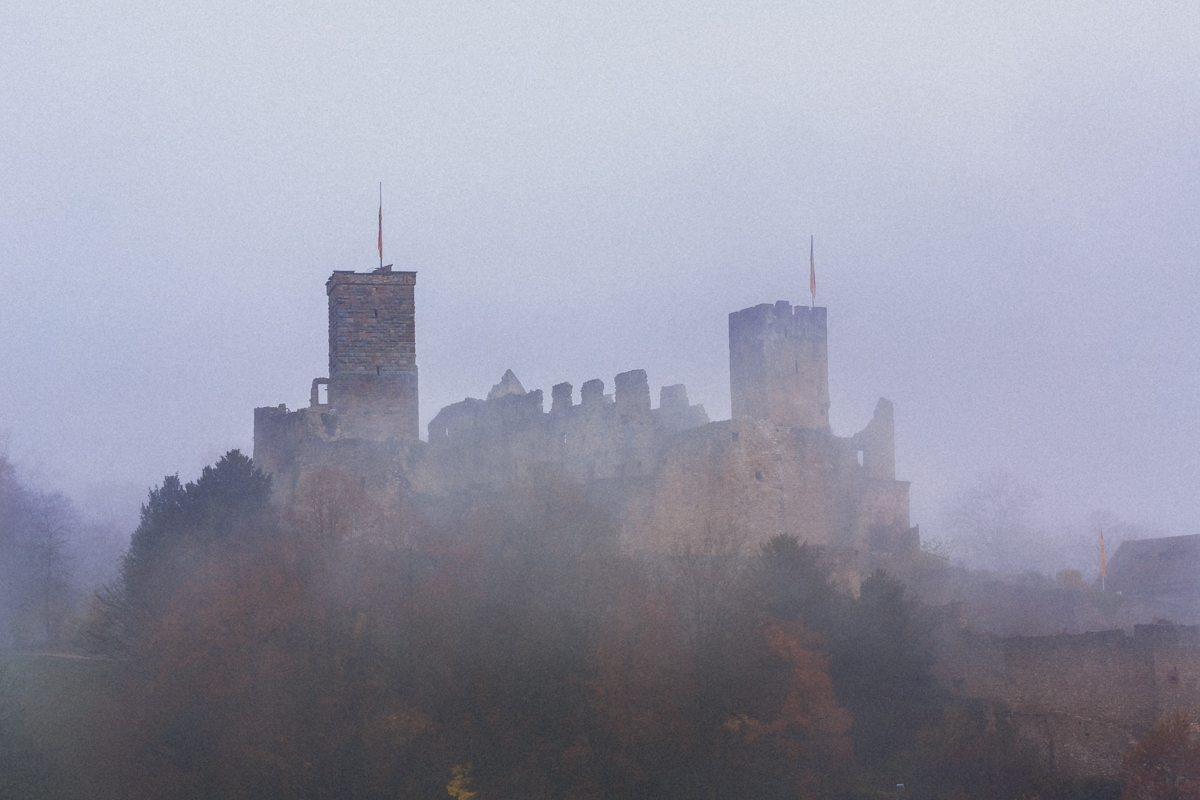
339, 648
1165, 762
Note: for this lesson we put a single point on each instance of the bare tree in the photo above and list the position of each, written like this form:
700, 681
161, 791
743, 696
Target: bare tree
51, 521
991, 521
37, 592
330, 506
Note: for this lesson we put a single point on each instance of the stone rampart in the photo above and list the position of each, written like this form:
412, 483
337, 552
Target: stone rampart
1082, 699
756, 479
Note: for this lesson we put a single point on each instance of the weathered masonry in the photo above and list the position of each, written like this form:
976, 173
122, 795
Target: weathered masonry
1082, 700
373, 353
665, 475
779, 365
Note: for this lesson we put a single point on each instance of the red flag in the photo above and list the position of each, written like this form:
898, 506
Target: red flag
812, 270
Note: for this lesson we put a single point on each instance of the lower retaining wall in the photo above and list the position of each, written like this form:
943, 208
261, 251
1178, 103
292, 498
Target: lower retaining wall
1082, 700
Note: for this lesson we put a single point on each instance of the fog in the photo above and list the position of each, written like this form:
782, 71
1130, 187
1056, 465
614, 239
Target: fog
1003, 204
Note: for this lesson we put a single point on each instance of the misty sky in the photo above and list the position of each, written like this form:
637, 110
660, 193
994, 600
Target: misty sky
1004, 199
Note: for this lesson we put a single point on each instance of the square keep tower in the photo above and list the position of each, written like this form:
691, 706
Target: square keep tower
779, 365
373, 353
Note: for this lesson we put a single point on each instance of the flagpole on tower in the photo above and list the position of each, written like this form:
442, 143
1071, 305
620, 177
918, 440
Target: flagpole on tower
812, 273
1103, 562
381, 224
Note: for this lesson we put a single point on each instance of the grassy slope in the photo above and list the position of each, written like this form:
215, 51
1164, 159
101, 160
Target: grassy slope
64, 706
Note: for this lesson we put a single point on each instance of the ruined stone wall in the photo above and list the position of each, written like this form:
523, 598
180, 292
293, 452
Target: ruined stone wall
290, 444
1176, 651
877, 442
510, 439
665, 475
755, 479
372, 353
278, 434
779, 365
1082, 699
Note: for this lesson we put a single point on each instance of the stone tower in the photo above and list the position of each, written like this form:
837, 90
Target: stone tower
373, 353
779, 365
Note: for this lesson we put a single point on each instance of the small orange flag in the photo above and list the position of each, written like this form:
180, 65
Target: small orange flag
812, 271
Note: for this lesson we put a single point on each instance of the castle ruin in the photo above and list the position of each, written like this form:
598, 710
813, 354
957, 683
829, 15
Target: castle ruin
665, 475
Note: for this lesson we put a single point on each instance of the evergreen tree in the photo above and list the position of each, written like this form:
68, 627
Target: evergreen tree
228, 506
882, 665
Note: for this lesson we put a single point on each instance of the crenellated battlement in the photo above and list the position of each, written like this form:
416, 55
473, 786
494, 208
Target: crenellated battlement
509, 437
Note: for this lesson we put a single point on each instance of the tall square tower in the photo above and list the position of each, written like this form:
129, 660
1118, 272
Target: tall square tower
779, 365
373, 353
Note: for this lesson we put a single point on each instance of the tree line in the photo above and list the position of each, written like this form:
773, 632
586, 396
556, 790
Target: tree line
334, 648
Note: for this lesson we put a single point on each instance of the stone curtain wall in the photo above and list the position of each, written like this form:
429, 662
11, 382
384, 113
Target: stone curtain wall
1081, 699
511, 440
753, 479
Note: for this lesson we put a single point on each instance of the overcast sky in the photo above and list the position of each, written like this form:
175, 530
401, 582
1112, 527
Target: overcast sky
1004, 199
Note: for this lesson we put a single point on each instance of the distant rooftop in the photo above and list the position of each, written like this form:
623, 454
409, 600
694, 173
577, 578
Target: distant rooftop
1156, 566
